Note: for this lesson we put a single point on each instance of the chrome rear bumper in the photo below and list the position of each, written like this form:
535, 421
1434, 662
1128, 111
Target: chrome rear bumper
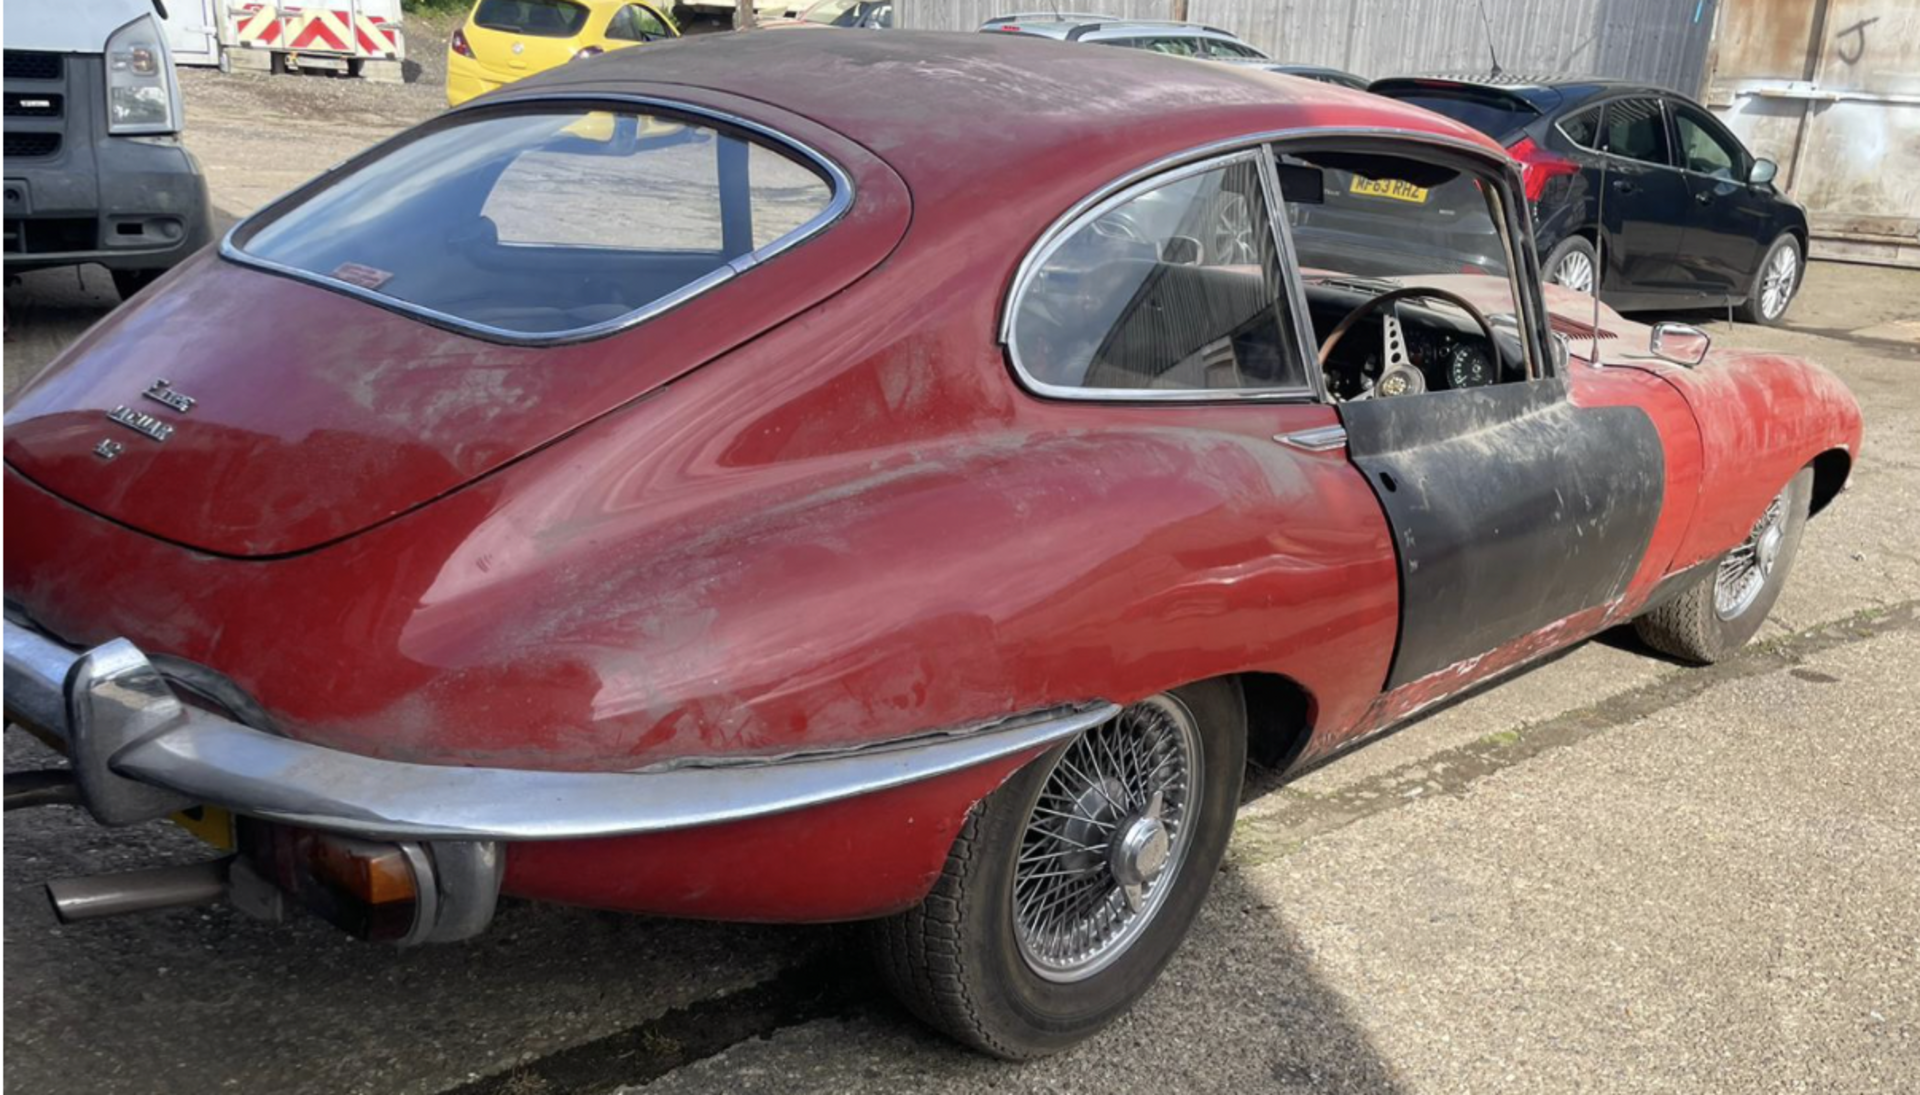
139, 753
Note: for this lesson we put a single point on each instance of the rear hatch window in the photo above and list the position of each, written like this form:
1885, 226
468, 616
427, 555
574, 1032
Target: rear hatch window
1499, 114
547, 221
541, 18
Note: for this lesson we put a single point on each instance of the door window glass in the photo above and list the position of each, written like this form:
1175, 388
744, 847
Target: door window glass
1633, 128
1365, 225
1702, 149
1176, 289
1220, 47
1178, 47
649, 24
621, 27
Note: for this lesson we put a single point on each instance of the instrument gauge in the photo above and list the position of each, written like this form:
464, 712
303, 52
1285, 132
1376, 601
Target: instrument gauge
1469, 367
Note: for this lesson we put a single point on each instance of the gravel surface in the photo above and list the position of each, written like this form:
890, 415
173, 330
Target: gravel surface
1610, 874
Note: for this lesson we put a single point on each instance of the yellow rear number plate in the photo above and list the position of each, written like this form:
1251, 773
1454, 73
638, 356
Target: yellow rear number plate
1389, 188
209, 823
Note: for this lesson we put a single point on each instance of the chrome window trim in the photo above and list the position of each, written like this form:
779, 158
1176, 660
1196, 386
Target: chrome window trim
1060, 234
1063, 225
1295, 288
837, 205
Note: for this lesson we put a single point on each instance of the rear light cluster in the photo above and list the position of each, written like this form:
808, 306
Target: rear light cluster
1538, 166
369, 889
459, 44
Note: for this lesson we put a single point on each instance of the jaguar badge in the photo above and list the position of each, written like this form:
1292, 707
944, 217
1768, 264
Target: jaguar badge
140, 423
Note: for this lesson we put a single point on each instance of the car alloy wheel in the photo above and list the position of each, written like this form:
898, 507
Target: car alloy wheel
1107, 838
1575, 271
1743, 573
1232, 239
1776, 287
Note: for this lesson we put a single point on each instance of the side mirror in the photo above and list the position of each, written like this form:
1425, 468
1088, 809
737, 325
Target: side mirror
1180, 251
1762, 172
1680, 343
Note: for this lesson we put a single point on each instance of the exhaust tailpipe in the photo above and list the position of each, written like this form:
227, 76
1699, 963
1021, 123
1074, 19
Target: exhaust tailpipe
98, 896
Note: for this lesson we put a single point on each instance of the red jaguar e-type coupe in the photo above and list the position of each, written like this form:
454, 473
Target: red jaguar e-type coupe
833, 477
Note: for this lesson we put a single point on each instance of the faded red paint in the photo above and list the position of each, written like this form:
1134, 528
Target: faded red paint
845, 527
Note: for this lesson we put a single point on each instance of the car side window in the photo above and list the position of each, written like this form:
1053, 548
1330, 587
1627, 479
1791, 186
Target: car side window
621, 27
1634, 130
1702, 149
1582, 128
649, 23
1218, 47
1174, 291
1178, 47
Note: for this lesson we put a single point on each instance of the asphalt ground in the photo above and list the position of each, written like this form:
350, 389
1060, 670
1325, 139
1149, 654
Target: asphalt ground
1609, 874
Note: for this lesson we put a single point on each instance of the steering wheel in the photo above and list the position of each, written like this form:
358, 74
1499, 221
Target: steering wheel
1394, 344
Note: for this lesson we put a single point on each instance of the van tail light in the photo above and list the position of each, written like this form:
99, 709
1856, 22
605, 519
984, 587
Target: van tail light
1538, 166
459, 44
588, 51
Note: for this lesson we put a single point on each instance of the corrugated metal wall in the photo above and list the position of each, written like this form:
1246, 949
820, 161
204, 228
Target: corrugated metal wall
1660, 41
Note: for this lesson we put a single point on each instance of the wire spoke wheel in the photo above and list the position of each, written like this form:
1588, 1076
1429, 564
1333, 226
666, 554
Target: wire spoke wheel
1106, 839
1745, 570
1776, 289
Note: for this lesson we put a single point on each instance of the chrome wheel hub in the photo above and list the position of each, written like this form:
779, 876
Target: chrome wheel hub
1106, 839
1140, 855
1745, 570
1776, 289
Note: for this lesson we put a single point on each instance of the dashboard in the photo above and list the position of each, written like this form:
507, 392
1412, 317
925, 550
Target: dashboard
1439, 347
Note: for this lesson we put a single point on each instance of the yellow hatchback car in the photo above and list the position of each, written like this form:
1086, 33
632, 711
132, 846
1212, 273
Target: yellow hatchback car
506, 40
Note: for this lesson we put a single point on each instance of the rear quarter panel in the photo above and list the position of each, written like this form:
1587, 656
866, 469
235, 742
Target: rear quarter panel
853, 528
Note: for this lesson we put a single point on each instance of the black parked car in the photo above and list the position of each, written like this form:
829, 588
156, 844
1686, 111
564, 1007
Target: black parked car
1691, 218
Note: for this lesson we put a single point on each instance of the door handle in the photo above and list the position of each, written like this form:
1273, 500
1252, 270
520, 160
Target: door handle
1624, 186
1703, 198
1318, 439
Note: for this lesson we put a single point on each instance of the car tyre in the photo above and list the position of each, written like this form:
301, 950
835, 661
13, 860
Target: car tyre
129, 282
1721, 610
1775, 283
1573, 264
964, 961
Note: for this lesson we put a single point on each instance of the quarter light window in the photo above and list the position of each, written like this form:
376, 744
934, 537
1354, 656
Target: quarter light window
547, 220
1173, 292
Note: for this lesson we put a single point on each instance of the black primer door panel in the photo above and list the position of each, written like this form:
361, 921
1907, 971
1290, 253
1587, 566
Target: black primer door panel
1511, 509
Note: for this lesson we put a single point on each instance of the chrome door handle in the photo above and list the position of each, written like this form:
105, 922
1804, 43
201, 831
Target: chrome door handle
1318, 439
